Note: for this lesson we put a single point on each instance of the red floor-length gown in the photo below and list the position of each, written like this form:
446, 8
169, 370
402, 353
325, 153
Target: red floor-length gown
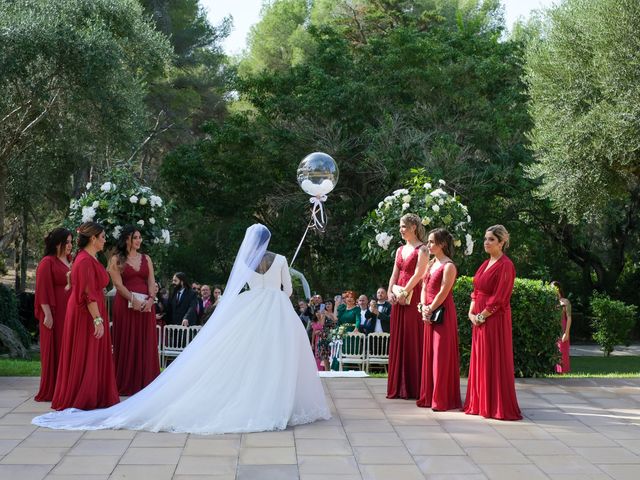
565, 347
440, 386
51, 289
86, 375
491, 390
405, 342
135, 345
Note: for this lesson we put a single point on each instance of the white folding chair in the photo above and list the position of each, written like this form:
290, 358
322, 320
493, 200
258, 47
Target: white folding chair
159, 339
354, 350
176, 338
377, 350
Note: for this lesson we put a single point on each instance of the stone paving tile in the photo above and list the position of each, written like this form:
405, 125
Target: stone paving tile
364, 439
267, 472
327, 465
100, 447
621, 472
310, 446
372, 426
24, 472
109, 434
267, 456
457, 476
492, 456
383, 455
86, 465
609, 455
53, 476
391, 472
34, 456
7, 445
450, 464
151, 456
631, 445
512, 472
268, 439
43, 437
542, 447
327, 433
14, 432
477, 439
585, 440
195, 465
516, 432
155, 472
229, 476
431, 446
574, 464
416, 433
212, 447
313, 476
160, 439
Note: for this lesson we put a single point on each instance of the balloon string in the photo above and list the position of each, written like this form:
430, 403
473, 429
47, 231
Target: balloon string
300, 244
318, 216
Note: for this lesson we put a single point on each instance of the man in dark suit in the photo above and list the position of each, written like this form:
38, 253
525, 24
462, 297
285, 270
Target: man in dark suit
382, 311
183, 303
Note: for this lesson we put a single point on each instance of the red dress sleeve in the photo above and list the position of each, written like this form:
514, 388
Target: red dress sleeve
87, 290
503, 287
478, 272
45, 294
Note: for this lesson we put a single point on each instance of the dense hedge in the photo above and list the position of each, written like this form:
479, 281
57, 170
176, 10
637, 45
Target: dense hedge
9, 314
536, 326
612, 321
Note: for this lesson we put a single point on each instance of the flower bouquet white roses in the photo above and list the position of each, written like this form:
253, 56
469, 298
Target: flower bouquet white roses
120, 201
431, 201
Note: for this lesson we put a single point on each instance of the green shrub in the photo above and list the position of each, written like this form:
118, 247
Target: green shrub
3, 266
535, 323
9, 314
612, 321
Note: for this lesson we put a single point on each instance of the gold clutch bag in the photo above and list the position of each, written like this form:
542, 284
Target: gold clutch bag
397, 289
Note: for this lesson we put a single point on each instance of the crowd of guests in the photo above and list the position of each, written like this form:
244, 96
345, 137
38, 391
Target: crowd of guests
86, 366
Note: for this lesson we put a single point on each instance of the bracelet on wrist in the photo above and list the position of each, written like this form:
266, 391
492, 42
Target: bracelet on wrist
97, 321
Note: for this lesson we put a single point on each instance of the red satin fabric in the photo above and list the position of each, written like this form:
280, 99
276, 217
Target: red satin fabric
491, 388
86, 375
565, 362
405, 342
51, 280
135, 347
440, 387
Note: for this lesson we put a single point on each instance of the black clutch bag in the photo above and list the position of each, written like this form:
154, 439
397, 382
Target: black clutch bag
437, 315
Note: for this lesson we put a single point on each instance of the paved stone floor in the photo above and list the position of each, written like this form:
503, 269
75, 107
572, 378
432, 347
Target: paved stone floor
573, 429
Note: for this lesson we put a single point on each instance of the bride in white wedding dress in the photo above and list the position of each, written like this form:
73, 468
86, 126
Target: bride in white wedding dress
249, 369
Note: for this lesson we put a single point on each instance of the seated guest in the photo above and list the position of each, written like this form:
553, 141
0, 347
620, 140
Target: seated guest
381, 308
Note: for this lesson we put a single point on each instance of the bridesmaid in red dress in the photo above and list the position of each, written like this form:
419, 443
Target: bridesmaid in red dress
563, 343
135, 347
491, 390
86, 377
52, 294
405, 343
440, 387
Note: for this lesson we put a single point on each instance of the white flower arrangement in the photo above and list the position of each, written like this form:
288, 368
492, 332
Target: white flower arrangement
436, 207
130, 204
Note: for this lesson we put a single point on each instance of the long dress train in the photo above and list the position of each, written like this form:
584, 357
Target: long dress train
249, 369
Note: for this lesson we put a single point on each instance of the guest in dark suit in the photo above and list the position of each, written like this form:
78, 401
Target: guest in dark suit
183, 303
366, 321
382, 311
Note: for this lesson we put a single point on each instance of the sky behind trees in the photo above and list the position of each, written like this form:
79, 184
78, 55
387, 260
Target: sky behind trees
245, 13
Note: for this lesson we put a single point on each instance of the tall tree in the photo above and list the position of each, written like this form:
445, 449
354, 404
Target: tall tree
73, 75
584, 83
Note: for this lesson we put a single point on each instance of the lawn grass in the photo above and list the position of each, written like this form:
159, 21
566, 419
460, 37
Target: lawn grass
609, 367
11, 367
581, 367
